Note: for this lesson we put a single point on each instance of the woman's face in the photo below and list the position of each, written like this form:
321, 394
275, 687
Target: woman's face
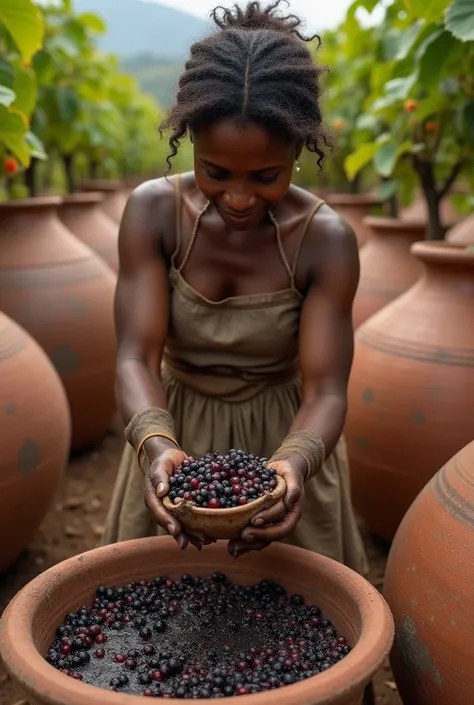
243, 169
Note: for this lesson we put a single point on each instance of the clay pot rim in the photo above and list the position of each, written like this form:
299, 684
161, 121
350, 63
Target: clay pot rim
395, 224
441, 252
233, 512
101, 185
352, 199
38, 678
34, 202
88, 197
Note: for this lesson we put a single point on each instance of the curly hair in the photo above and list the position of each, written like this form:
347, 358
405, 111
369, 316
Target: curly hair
256, 67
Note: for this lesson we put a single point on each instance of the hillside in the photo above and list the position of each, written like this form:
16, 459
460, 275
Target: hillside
156, 76
136, 27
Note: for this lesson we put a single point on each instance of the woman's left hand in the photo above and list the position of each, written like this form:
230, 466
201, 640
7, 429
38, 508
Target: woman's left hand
280, 520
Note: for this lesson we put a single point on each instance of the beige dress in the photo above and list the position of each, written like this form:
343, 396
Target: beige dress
230, 372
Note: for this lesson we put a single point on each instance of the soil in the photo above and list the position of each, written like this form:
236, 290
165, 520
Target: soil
75, 524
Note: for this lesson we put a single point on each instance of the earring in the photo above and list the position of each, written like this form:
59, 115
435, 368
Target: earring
297, 166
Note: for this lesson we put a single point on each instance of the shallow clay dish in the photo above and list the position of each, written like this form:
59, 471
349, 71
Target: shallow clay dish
354, 606
223, 523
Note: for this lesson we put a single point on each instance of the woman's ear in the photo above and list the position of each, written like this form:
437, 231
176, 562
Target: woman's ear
299, 149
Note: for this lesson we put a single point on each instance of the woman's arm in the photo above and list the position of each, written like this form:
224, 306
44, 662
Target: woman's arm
141, 308
326, 351
327, 335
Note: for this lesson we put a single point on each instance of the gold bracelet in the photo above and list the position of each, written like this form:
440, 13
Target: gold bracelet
156, 434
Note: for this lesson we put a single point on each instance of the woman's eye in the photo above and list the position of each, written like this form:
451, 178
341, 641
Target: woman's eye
266, 179
216, 175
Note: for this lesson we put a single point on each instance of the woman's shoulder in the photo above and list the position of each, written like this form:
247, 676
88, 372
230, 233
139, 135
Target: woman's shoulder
324, 226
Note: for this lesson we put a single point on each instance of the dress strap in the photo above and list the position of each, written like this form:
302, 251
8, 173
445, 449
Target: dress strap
307, 223
193, 236
179, 218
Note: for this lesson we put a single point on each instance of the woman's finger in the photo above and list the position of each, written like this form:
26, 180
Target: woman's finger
270, 516
274, 532
163, 518
160, 473
238, 548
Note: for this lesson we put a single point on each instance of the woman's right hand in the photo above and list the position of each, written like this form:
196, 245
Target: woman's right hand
156, 486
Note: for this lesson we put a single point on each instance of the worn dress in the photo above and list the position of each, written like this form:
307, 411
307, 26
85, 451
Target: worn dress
230, 372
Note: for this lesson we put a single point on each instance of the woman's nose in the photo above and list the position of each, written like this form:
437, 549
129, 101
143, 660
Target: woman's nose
239, 200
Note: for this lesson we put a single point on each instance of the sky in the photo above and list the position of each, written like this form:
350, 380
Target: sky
317, 14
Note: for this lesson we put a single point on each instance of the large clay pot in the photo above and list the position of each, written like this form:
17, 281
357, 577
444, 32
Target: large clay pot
83, 215
62, 294
463, 232
355, 607
428, 584
115, 196
387, 268
411, 391
35, 432
353, 208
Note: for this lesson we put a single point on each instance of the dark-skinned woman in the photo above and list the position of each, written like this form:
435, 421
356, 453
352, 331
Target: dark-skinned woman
234, 298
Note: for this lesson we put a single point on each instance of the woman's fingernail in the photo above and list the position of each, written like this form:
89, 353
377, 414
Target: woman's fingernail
170, 529
249, 537
257, 522
160, 488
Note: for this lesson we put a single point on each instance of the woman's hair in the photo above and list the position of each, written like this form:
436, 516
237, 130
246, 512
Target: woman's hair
256, 67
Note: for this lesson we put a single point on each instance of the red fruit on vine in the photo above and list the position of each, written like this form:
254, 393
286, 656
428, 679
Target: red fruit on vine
10, 166
338, 124
431, 126
410, 105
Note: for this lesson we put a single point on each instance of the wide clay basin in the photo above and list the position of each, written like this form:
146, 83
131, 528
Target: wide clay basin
354, 606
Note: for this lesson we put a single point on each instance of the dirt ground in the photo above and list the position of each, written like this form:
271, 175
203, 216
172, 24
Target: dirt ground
75, 524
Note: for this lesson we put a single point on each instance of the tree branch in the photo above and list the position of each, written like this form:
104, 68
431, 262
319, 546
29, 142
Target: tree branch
455, 171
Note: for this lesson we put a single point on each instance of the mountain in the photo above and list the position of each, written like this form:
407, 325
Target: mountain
136, 27
154, 75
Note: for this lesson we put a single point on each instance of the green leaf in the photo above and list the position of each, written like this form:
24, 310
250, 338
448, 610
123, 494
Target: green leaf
407, 39
468, 121
434, 58
429, 107
399, 88
387, 156
36, 146
12, 134
93, 22
387, 189
429, 10
366, 121
359, 159
7, 73
459, 19
25, 89
68, 104
24, 22
7, 96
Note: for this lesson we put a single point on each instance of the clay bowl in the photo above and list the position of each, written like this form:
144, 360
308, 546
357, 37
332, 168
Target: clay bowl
223, 523
354, 606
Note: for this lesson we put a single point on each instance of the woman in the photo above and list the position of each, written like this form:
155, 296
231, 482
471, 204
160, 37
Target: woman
234, 298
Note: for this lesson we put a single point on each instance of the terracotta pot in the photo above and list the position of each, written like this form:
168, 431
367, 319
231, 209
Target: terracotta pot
353, 208
387, 268
62, 294
463, 232
35, 433
411, 391
355, 606
429, 587
115, 196
83, 215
